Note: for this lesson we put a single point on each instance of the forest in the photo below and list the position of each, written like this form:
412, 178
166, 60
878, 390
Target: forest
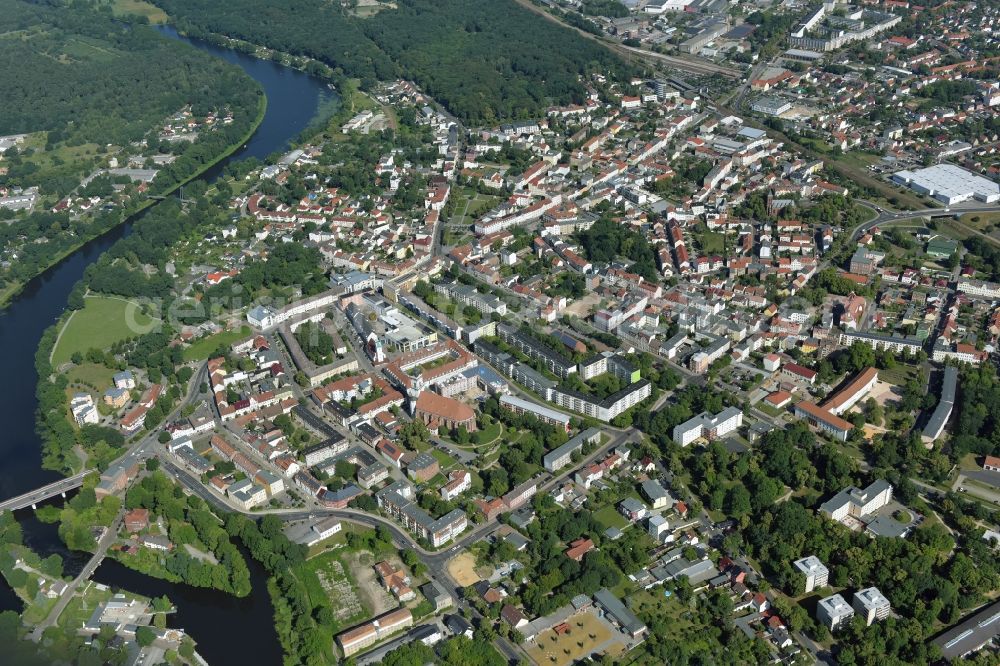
89, 81
86, 78
485, 60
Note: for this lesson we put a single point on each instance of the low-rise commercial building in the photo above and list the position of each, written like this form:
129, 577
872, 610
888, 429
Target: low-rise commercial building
355, 640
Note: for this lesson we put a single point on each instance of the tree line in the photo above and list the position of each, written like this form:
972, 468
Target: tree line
485, 60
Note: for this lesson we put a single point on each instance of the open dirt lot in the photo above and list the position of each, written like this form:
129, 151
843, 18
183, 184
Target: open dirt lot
462, 568
582, 306
378, 599
552, 649
883, 391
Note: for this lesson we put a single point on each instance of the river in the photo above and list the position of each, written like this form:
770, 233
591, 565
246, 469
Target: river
226, 629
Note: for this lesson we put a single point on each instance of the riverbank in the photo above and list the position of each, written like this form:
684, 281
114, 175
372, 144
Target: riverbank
10, 292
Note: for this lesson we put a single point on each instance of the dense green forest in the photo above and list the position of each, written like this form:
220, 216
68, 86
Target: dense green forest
87, 78
483, 59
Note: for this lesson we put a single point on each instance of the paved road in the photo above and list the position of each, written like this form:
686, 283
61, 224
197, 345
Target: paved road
88, 570
686, 64
45, 492
886, 216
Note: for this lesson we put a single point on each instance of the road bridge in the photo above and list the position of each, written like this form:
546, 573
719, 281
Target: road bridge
33, 497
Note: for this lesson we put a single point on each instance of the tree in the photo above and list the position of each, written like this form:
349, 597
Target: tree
144, 636
737, 501
152, 464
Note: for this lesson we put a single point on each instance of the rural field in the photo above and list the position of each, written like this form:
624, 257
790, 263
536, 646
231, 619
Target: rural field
102, 322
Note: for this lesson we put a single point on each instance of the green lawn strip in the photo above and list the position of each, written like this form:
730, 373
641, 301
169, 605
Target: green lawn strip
609, 517
444, 460
92, 374
102, 322
199, 350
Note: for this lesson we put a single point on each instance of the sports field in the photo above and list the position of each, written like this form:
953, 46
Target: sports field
102, 322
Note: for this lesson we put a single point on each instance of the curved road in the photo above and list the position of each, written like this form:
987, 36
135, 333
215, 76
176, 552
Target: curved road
886, 216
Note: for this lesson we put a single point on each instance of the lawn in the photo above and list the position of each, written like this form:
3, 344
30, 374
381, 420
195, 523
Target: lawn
91, 374
102, 322
858, 159
444, 460
980, 221
899, 374
490, 433
139, 7
487, 436
609, 517
712, 242
199, 350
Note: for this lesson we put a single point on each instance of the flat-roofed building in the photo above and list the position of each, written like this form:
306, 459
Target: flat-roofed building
816, 573
542, 413
971, 635
871, 605
708, 426
834, 612
939, 418
949, 184
561, 456
856, 502
619, 614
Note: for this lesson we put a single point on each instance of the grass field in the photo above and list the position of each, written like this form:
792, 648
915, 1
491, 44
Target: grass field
140, 7
491, 432
585, 634
980, 221
712, 242
202, 349
328, 583
91, 374
899, 374
444, 460
102, 322
609, 517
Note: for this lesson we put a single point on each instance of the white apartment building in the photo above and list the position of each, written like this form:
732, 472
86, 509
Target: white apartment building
815, 572
834, 612
856, 502
871, 604
708, 426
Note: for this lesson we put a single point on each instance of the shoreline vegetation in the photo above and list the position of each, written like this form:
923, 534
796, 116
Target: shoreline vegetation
141, 84
12, 290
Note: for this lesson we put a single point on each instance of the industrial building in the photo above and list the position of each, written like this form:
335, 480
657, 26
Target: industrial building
949, 184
